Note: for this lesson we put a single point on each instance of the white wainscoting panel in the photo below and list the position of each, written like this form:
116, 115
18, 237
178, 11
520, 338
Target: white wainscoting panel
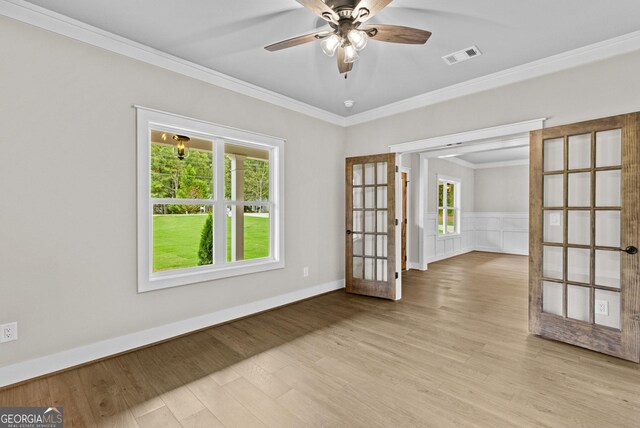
493, 232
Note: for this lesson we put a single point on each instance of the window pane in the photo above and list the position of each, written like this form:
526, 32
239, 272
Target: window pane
183, 176
451, 195
246, 173
451, 222
441, 229
182, 236
248, 230
440, 194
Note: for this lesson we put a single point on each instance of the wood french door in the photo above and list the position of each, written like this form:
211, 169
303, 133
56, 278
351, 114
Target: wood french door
371, 226
584, 276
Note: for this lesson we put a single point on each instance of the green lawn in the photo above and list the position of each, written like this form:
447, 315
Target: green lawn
176, 239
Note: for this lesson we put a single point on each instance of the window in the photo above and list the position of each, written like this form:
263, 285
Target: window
448, 206
194, 176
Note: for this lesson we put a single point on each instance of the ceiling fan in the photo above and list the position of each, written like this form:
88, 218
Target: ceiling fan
349, 36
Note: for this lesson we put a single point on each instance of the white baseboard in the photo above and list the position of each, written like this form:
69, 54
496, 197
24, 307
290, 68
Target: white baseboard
416, 266
30, 369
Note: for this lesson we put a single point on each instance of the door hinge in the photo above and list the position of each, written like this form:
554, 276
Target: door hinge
396, 222
396, 275
405, 258
397, 169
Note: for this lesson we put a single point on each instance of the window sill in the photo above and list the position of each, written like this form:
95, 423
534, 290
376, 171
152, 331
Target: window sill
177, 278
448, 236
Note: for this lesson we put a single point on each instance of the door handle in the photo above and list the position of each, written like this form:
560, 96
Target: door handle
348, 232
630, 250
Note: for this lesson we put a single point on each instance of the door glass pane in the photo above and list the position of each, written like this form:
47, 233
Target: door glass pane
381, 270
578, 303
369, 197
369, 242
358, 221
580, 151
382, 245
357, 197
369, 173
370, 221
607, 308
357, 267
580, 189
609, 148
552, 298
554, 190
608, 188
382, 173
552, 262
578, 265
357, 175
553, 227
608, 229
357, 244
382, 197
554, 154
608, 268
382, 221
369, 269
579, 228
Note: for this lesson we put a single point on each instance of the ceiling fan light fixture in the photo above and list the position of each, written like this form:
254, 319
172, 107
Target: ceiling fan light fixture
358, 39
330, 44
350, 54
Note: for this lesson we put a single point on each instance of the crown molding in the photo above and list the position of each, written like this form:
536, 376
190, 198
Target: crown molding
29, 13
43, 18
596, 52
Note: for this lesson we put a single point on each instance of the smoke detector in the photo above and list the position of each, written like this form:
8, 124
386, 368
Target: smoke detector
463, 55
349, 103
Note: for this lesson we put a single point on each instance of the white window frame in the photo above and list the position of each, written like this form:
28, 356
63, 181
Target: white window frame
148, 119
456, 208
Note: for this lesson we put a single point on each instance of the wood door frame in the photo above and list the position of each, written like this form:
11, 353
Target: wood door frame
623, 343
405, 237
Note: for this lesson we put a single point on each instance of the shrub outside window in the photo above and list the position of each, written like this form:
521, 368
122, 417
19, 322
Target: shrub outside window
194, 176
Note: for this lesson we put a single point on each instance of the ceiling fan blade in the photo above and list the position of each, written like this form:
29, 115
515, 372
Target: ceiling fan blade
343, 67
373, 6
397, 34
321, 9
289, 43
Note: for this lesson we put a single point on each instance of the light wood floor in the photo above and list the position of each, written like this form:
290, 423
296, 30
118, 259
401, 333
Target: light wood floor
454, 352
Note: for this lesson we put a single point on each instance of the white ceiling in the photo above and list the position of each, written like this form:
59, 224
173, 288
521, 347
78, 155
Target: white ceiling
512, 154
229, 36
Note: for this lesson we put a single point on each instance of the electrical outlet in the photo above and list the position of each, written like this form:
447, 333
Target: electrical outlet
602, 307
9, 332
305, 271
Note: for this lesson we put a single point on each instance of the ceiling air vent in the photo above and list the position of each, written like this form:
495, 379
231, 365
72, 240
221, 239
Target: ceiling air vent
462, 55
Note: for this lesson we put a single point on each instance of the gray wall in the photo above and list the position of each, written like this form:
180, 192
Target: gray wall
68, 198
502, 190
595, 90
